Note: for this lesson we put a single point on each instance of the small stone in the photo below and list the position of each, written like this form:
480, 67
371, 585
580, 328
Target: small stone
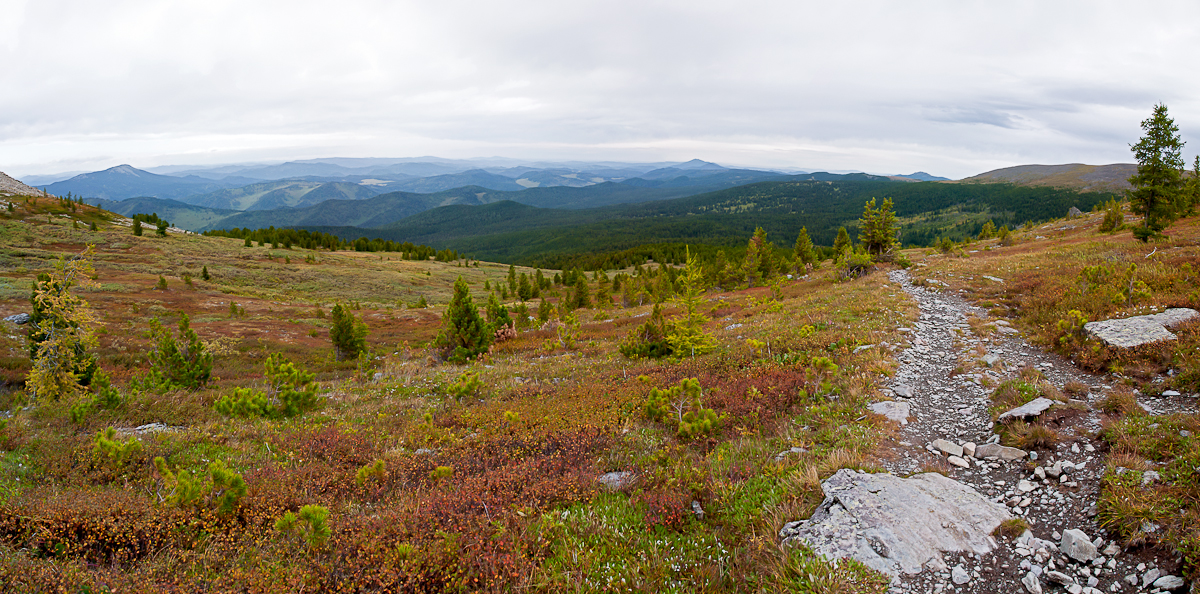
948, 447
1074, 589
1112, 549
1170, 393
1025, 486
1033, 455
959, 462
903, 391
1030, 409
1075, 544
1059, 578
959, 575
1168, 582
969, 449
1040, 473
1031, 583
1149, 577
992, 450
1132, 579
1150, 476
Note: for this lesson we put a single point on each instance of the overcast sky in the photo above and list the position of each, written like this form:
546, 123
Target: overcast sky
953, 88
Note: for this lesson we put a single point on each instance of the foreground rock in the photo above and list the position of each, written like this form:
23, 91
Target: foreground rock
898, 525
1138, 330
1032, 408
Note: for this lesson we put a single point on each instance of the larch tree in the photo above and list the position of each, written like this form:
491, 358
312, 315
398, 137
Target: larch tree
61, 332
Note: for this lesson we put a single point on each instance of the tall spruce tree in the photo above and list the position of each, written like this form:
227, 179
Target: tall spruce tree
1158, 183
803, 252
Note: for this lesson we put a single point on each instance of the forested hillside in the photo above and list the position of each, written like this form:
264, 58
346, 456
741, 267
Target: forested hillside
508, 232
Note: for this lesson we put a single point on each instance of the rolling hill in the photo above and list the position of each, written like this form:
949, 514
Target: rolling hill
281, 194
124, 181
1085, 178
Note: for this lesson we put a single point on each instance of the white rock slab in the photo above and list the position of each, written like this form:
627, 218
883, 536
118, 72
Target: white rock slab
1032, 408
1138, 330
895, 411
895, 524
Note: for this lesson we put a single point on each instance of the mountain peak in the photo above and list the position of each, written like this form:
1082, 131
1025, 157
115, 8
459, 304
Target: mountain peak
697, 164
126, 170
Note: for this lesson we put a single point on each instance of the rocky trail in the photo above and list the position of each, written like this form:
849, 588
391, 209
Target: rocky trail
957, 356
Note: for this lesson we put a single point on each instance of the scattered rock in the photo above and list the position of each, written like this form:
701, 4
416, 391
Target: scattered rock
1031, 583
1138, 330
894, 411
994, 450
789, 452
957, 461
969, 449
1075, 544
1168, 582
959, 575
898, 524
1059, 578
1150, 576
948, 447
612, 480
1032, 408
21, 318
990, 360
1165, 392
903, 391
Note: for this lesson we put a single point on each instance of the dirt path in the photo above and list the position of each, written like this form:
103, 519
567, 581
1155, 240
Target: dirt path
946, 376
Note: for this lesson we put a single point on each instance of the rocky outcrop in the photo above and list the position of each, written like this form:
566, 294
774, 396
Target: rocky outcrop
895, 524
1139, 330
11, 186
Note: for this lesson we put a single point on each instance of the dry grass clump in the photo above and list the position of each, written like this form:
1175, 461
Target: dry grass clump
1029, 436
1011, 528
1120, 401
1076, 389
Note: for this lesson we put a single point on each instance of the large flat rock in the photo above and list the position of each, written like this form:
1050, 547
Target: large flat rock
1139, 330
895, 524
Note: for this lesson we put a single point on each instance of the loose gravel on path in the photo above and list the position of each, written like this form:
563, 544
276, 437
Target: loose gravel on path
944, 376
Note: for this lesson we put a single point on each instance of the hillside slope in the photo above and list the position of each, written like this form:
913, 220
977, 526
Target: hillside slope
1085, 178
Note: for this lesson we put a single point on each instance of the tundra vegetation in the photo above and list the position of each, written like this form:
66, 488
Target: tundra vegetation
228, 438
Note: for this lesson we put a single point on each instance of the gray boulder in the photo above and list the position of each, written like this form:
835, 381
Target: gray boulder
1168, 582
21, 318
895, 524
1138, 330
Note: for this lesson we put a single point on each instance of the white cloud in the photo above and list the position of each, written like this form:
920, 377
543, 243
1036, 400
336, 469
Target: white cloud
953, 88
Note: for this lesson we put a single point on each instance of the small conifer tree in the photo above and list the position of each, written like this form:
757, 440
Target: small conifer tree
687, 335
464, 334
137, 227
204, 273
803, 251
349, 335
841, 244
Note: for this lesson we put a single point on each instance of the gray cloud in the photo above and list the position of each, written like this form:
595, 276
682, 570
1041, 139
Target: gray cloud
950, 87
